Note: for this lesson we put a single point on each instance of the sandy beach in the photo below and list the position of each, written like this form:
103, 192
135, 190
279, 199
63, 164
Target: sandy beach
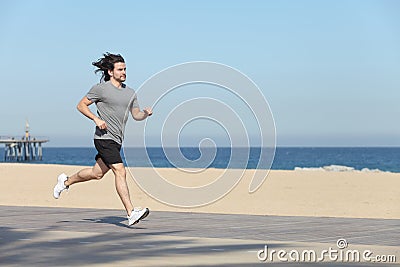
285, 193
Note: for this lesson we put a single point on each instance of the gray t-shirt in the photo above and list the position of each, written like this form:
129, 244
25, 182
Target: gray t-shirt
113, 106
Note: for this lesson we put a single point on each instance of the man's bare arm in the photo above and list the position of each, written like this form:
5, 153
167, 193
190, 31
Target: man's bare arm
83, 107
141, 115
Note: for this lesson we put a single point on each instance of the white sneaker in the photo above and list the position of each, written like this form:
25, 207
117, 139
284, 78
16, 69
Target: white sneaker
60, 186
137, 215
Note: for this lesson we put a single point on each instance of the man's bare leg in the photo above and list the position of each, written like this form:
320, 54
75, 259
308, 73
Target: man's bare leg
122, 186
87, 174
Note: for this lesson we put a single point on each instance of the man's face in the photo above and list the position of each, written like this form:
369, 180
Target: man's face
119, 72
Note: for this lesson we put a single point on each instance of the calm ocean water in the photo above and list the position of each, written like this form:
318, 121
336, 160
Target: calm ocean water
286, 158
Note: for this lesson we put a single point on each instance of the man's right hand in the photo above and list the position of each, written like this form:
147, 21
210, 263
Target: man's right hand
100, 123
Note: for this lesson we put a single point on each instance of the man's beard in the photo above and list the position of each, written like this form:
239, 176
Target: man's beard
121, 79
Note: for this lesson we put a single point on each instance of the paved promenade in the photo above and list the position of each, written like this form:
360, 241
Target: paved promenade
40, 236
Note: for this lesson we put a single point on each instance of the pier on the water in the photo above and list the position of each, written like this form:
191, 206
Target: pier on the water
22, 149
25, 148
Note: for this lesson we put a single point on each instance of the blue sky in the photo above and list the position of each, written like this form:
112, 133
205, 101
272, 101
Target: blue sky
329, 69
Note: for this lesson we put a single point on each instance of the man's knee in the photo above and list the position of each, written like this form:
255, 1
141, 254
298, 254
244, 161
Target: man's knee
119, 171
97, 175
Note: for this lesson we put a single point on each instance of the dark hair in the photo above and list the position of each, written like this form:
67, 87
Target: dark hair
106, 63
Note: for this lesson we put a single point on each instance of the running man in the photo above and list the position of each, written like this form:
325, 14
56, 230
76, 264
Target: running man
114, 100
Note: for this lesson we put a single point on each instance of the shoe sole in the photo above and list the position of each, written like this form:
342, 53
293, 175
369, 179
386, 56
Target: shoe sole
54, 195
142, 217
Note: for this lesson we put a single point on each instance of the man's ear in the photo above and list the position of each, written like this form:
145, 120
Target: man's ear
110, 72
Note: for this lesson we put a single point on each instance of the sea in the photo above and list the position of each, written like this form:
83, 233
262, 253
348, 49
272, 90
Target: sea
377, 159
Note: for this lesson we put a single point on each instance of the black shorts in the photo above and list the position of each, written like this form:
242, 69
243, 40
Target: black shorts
108, 150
